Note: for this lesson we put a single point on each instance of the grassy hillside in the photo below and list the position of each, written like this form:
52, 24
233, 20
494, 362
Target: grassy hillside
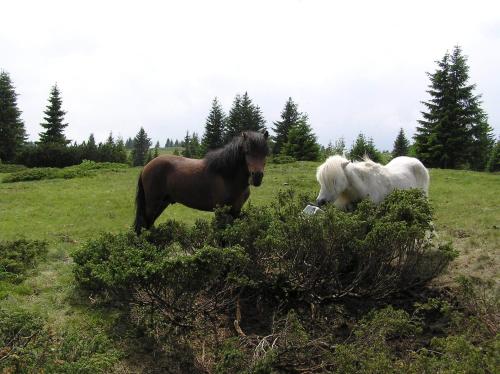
66, 213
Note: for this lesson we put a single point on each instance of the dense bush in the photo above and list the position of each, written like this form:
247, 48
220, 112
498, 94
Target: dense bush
86, 168
272, 289
18, 256
282, 159
49, 155
11, 168
27, 345
61, 155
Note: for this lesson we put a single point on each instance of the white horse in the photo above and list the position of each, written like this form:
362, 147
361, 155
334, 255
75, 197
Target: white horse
343, 182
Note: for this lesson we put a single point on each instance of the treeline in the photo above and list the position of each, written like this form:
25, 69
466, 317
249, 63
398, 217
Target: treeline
293, 136
453, 132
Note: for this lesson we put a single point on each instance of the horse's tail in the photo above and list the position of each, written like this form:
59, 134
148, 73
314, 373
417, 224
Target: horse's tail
140, 207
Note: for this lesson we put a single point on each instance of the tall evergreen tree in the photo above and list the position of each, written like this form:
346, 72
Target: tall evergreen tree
141, 148
214, 128
129, 143
244, 115
186, 152
290, 116
363, 147
54, 118
494, 161
454, 129
336, 148
401, 145
119, 151
12, 132
157, 150
301, 143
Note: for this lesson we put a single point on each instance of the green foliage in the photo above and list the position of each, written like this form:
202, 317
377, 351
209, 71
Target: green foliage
27, 345
454, 131
401, 145
11, 168
494, 161
244, 115
182, 280
213, 137
290, 116
362, 148
19, 256
157, 271
12, 132
141, 148
457, 354
336, 148
54, 118
192, 147
282, 159
301, 143
85, 169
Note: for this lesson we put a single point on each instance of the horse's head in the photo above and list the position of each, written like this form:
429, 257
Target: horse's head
332, 179
256, 150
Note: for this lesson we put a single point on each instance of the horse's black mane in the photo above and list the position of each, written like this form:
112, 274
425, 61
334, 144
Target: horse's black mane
229, 158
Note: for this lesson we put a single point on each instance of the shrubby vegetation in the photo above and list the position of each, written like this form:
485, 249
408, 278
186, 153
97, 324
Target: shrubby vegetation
19, 256
279, 290
27, 345
11, 168
85, 169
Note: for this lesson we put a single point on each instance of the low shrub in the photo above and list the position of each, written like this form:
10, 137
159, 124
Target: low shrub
271, 279
86, 168
18, 256
10, 168
282, 159
28, 345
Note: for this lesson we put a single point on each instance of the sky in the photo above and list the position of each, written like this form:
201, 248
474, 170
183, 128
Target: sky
356, 66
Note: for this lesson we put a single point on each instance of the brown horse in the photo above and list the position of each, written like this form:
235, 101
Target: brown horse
221, 178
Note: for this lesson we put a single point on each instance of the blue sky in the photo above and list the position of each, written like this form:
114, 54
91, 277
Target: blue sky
356, 66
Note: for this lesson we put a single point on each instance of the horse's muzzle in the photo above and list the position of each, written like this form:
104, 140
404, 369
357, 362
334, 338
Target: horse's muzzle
257, 178
321, 202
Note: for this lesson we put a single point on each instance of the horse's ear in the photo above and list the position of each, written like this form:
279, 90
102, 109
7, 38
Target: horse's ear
266, 134
344, 164
244, 135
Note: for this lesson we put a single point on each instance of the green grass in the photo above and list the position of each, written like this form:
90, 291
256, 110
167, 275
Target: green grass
66, 213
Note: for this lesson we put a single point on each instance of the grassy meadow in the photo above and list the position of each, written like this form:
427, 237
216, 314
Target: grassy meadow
66, 213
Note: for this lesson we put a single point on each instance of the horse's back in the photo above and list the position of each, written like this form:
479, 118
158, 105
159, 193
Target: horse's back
186, 181
408, 172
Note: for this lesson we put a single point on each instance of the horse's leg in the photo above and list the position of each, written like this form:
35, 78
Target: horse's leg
155, 208
238, 203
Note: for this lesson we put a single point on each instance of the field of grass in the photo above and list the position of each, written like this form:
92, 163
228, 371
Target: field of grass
66, 213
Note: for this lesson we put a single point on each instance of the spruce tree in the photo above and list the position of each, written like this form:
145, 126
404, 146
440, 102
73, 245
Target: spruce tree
141, 148
54, 120
336, 148
290, 116
90, 149
157, 150
301, 143
186, 152
129, 143
454, 131
362, 148
494, 161
119, 151
214, 128
12, 132
244, 115
401, 145
195, 146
